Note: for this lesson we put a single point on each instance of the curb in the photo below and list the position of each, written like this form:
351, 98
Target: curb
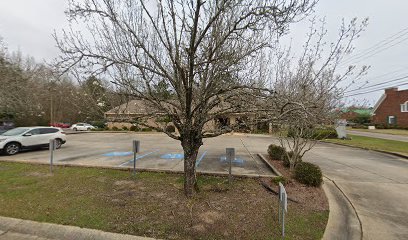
344, 221
380, 151
83, 132
27, 229
128, 169
262, 157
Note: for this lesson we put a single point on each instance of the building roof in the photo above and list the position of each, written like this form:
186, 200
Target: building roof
131, 107
361, 111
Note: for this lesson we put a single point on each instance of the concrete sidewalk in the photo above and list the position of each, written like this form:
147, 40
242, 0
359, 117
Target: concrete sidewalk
13, 228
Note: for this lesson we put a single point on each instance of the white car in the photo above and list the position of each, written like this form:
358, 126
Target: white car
14, 140
82, 127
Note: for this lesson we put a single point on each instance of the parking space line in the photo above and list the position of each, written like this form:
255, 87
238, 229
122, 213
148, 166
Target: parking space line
201, 158
137, 158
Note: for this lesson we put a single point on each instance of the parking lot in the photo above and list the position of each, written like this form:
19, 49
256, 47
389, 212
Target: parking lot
157, 152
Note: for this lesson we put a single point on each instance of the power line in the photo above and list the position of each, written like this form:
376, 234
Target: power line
378, 45
381, 50
378, 84
375, 90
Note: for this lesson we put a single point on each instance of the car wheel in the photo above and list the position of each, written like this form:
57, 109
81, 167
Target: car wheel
88, 129
12, 148
75, 129
58, 143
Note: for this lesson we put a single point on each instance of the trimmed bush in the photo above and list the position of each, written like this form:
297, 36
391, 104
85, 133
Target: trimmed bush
170, 128
98, 124
317, 134
134, 128
324, 134
276, 152
309, 174
279, 179
124, 128
114, 128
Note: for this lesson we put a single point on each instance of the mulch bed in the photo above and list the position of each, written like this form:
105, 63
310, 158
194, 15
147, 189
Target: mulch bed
308, 197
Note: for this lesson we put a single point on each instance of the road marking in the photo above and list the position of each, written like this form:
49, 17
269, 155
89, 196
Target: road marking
201, 158
137, 158
237, 160
117, 154
172, 156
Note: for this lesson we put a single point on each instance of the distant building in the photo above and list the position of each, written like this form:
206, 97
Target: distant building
392, 108
351, 114
126, 115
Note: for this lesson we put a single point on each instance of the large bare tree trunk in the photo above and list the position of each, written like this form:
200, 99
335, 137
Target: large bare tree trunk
191, 144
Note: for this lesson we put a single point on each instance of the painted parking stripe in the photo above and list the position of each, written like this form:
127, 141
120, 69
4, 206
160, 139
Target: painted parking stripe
237, 160
201, 158
137, 158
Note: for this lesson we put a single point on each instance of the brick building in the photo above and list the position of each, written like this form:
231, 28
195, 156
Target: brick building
392, 108
126, 114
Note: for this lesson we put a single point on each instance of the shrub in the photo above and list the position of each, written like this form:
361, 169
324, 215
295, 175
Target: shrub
286, 161
309, 174
279, 179
124, 128
98, 124
114, 128
324, 133
276, 152
147, 129
134, 128
170, 128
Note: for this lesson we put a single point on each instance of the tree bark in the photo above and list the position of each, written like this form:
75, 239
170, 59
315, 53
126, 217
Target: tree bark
191, 144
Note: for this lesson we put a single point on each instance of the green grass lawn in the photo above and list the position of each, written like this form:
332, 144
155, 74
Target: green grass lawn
385, 131
374, 144
152, 204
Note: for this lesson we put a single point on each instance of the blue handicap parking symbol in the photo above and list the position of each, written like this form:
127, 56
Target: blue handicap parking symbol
117, 154
172, 156
237, 160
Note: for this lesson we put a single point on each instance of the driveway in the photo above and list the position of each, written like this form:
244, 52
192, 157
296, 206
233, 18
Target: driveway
379, 135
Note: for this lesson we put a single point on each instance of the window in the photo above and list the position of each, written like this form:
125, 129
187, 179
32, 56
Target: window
391, 120
35, 131
404, 107
48, 130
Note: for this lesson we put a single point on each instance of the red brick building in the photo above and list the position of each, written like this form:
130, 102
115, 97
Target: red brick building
392, 108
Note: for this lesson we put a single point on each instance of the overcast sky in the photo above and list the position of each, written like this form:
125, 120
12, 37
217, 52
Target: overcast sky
28, 25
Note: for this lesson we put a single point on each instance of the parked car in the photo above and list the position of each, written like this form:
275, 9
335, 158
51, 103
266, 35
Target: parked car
14, 140
82, 127
60, 125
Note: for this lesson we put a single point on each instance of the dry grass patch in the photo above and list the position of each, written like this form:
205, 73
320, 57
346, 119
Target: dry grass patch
152, 204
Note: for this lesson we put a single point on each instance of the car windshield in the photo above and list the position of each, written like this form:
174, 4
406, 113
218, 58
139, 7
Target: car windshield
14, 132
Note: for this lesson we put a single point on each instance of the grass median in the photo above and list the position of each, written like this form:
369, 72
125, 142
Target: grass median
152, 204
400, 132
374, 144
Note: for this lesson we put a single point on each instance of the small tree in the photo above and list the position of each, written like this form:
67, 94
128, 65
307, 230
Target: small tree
309, 91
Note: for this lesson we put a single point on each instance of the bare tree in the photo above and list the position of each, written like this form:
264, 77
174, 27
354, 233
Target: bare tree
207, 53
309, 91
